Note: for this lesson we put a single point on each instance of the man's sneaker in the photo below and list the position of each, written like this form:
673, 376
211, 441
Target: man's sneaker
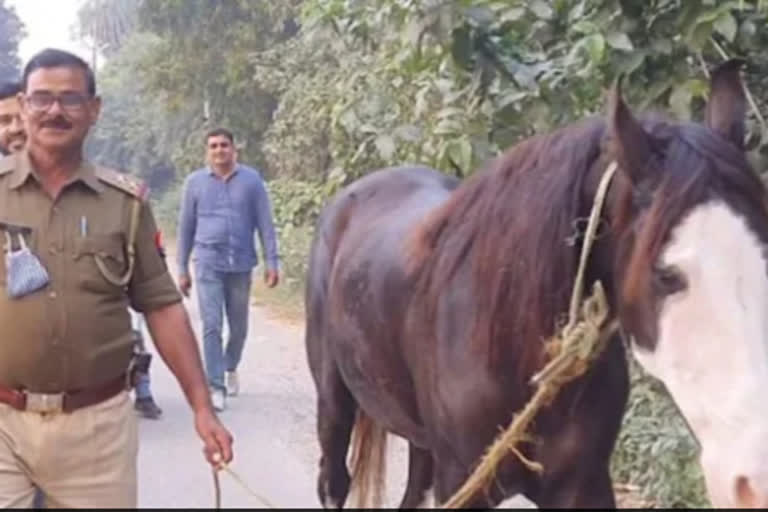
218, 399
147, 408
233, 385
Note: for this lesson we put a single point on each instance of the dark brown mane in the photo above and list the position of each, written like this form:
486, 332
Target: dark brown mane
698, 165
519, 214
511, 224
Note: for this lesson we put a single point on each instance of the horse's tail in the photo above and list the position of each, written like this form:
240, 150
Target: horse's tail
368, 460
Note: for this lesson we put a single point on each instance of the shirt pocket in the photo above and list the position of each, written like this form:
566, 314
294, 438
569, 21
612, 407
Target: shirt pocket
101, 261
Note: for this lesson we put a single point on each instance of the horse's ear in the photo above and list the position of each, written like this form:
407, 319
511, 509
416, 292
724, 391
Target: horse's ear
632, 145
727, 105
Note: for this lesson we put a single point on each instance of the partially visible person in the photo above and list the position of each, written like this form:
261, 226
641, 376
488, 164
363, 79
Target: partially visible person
144, 402
223, 205
80, 251
12, 135
12, 139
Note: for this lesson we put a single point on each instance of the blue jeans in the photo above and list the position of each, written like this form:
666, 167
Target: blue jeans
219, 292
142, 385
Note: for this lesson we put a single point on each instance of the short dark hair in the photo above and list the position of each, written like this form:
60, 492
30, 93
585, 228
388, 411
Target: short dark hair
220, 132
53, 58
9, 89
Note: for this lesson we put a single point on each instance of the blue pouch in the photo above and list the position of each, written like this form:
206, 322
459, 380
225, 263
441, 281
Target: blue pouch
24, 272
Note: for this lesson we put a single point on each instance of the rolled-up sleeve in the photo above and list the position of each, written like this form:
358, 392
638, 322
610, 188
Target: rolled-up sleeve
151, 286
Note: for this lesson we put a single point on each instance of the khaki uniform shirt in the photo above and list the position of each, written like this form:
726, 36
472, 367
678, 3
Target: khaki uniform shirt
76, 332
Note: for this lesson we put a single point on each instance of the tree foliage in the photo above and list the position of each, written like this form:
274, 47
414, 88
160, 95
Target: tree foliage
137, 131
342, 87
452, 83
104, 25
203, 61
11, 33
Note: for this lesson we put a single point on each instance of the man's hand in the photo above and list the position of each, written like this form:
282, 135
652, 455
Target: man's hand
174, 338
271, 277
185, 283
216, 438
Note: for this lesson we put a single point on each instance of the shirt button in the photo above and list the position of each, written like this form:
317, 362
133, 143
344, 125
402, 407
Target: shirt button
55, 341
52, 295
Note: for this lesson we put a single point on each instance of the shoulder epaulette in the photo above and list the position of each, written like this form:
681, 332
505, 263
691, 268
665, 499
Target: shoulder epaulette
127, 183
7, 164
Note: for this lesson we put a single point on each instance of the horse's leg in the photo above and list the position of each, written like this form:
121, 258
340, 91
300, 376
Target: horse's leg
335, 419
450, 475
577, 455
577, 462
590, 488
420, 477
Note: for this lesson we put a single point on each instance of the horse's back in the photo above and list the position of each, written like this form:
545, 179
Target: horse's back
369, 213
357, 289
381, 202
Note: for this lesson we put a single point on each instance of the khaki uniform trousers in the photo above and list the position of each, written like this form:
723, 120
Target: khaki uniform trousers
84, 459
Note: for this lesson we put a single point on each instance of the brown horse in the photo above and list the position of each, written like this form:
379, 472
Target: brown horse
429, 303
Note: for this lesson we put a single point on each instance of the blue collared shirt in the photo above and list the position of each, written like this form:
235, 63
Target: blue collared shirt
218, 219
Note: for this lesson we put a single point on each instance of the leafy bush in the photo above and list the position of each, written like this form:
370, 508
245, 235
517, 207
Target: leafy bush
166, 210
295, 206
655, 450
295, 203
294, 248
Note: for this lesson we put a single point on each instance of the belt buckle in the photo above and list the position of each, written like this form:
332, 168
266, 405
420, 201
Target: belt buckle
44, 403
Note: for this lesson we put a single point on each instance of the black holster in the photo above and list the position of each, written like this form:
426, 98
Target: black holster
139, 364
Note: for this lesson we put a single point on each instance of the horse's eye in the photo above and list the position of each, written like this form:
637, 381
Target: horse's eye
668, 280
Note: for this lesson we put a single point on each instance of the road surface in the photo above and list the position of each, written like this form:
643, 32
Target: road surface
272, 421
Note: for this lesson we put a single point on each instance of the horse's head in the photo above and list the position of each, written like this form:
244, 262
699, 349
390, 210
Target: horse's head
692, 278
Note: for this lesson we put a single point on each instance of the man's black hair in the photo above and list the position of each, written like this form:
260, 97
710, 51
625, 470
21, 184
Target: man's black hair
220, 132
53, 58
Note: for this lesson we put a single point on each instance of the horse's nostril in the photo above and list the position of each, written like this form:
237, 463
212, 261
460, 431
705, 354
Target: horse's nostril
747, 496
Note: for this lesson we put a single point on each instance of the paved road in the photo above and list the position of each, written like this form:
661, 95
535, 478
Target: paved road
273, 423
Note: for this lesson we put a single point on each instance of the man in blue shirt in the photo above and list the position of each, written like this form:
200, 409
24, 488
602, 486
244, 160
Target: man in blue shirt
223, 204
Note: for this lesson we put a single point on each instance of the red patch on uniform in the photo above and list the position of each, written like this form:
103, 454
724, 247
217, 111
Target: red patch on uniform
143, 191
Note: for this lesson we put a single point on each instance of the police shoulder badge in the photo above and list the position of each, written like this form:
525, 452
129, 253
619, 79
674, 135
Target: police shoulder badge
124, 182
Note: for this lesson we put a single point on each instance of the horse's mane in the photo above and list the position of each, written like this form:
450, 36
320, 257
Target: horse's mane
511, 224
699, 165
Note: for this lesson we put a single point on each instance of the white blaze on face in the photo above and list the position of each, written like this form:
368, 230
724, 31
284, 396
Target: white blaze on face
712, 349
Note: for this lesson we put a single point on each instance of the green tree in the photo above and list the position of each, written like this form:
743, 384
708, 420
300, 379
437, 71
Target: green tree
137, 132
104, 25
204, 62
452, 83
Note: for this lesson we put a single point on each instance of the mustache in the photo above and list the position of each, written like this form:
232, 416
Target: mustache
57, 122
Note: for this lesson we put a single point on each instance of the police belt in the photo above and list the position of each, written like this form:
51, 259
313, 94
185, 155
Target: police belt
23, 400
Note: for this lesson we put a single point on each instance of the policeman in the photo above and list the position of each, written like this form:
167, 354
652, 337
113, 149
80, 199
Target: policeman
79, 250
